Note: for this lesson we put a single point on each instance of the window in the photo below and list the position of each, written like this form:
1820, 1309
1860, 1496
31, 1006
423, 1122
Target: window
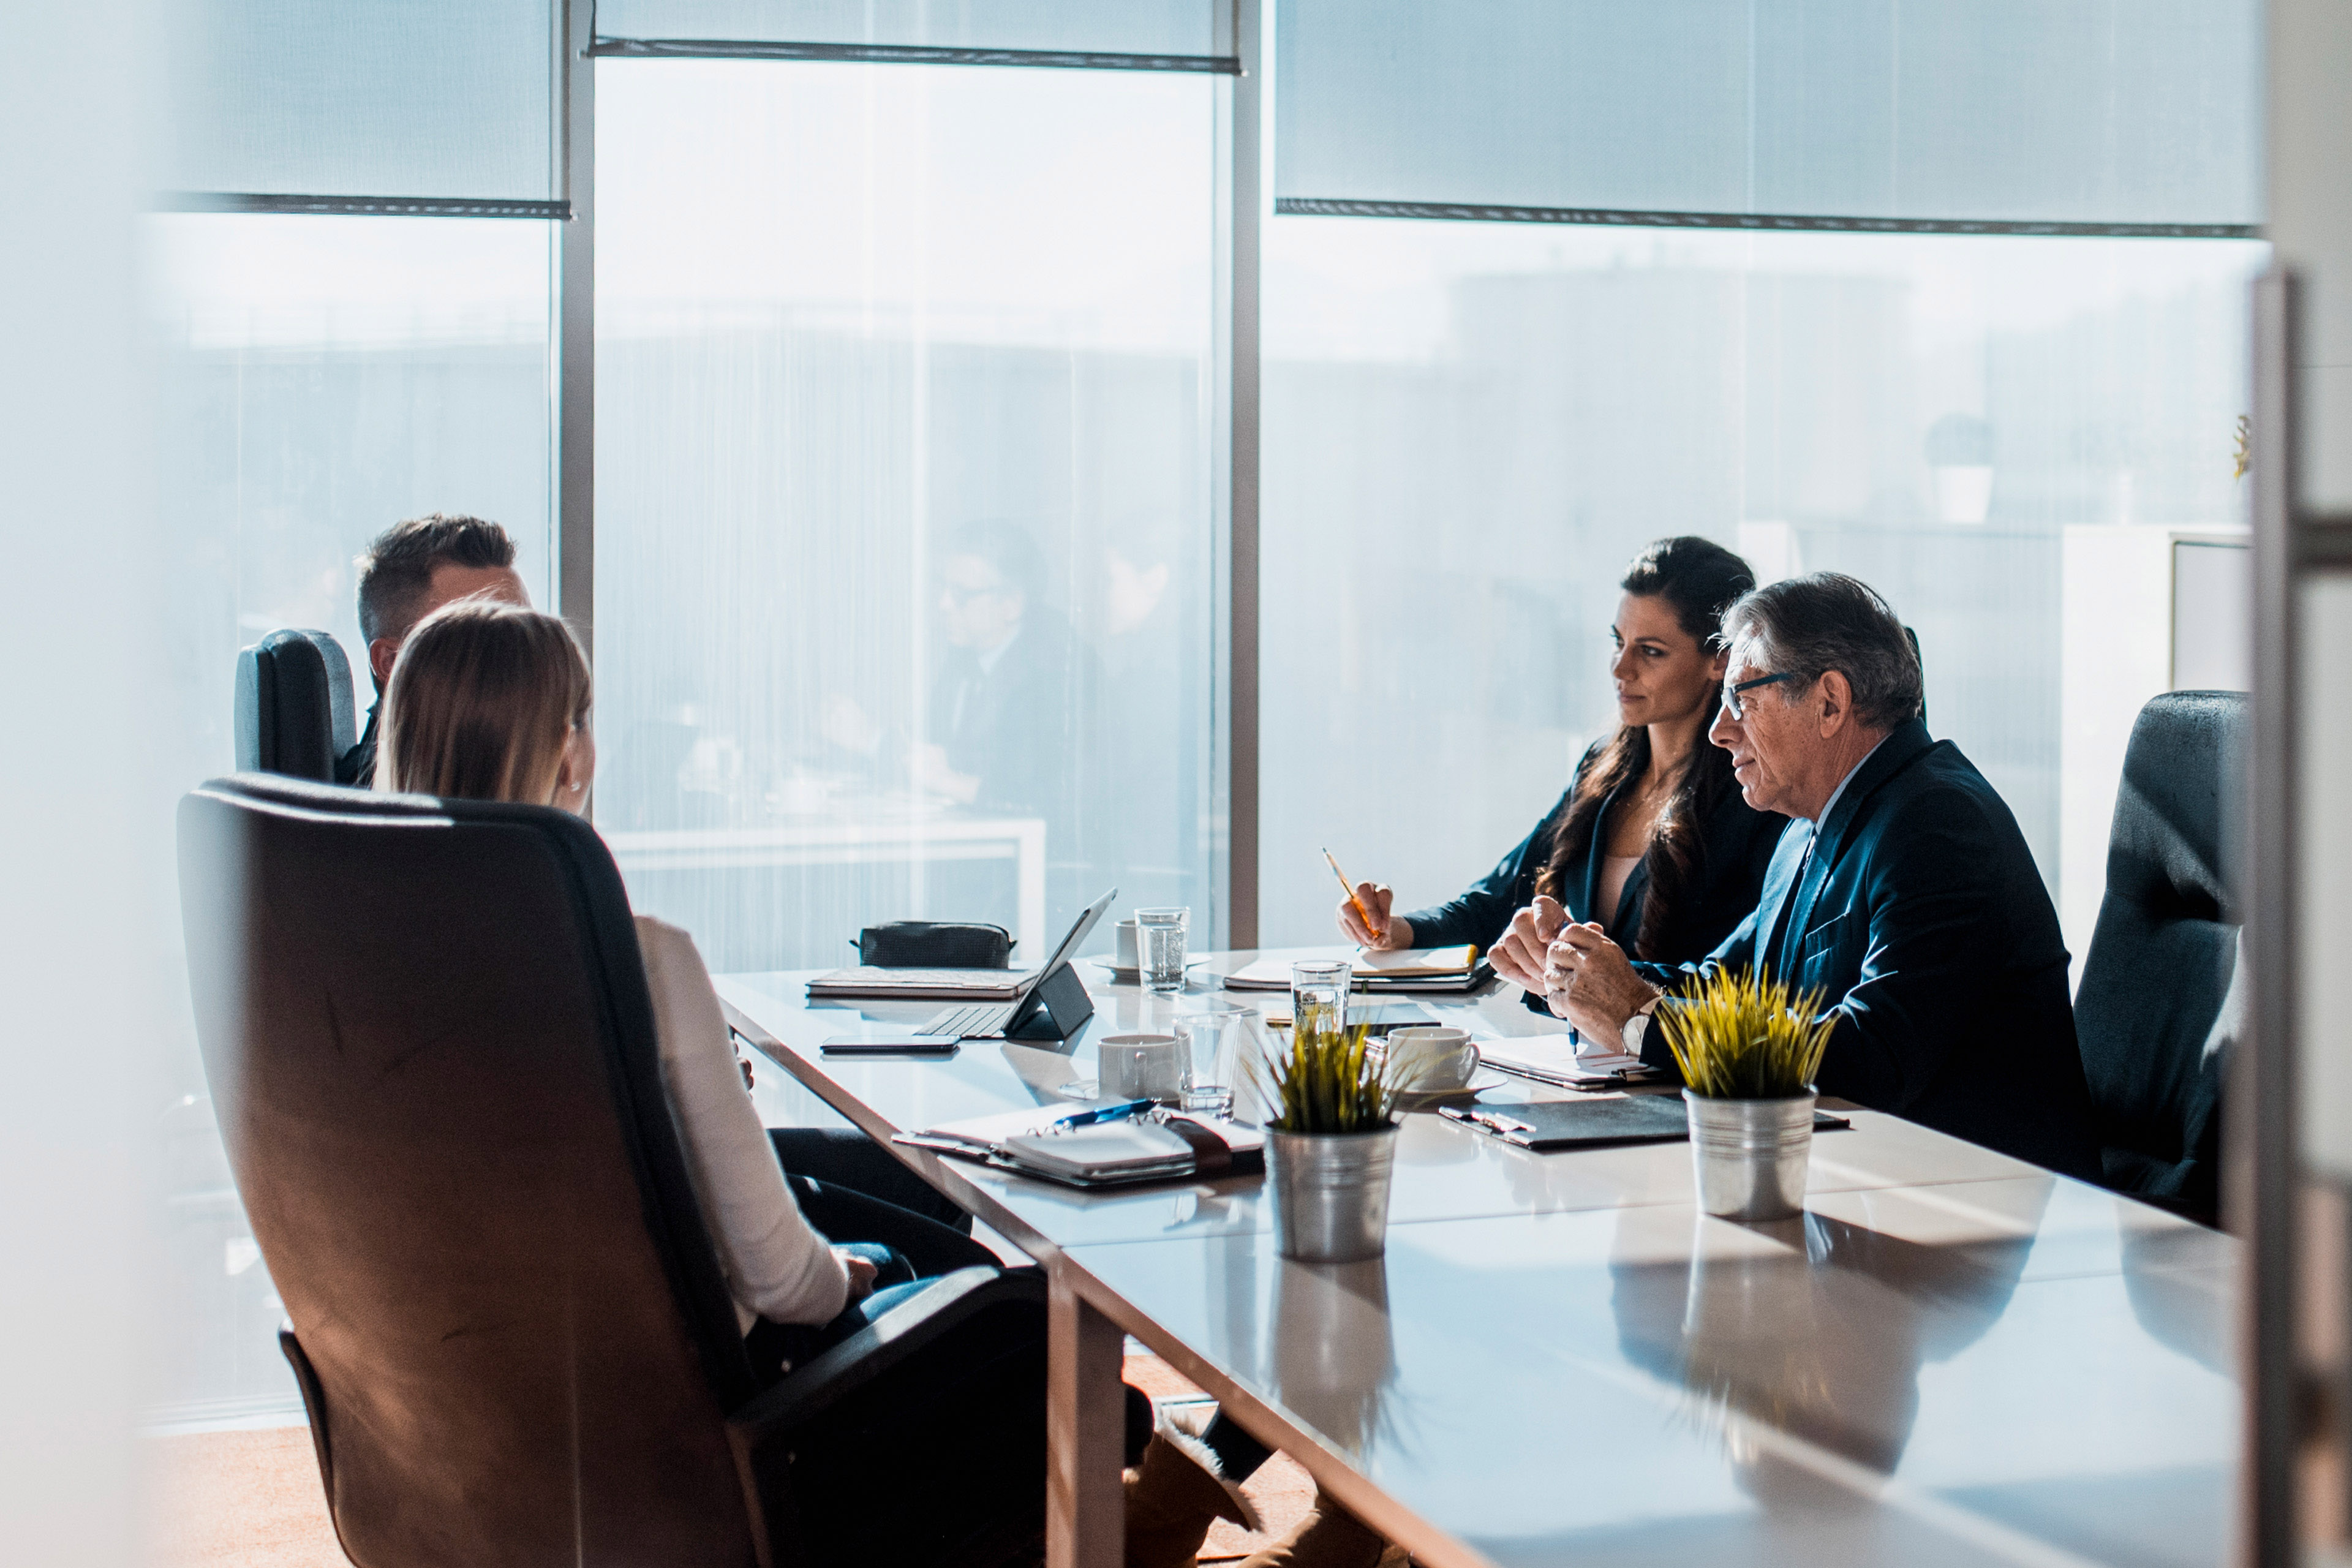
903, 496
322, 378
1471, 427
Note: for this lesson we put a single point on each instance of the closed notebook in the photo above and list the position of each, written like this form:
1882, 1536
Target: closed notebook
1592, 1124
920, 984
1104, 1154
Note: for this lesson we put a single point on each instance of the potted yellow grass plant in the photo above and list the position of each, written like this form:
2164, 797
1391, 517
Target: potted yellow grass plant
1748, 1050
1330, 1140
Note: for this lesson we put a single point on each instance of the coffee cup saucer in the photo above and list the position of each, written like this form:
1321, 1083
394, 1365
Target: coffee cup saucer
1128, 974
1431, 1098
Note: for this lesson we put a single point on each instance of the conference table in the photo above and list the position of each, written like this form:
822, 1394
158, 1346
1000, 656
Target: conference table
1951, 1357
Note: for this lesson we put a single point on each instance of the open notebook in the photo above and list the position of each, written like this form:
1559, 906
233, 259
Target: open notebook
1103, 1154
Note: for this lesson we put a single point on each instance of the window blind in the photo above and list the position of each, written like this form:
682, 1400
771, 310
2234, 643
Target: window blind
1147, 29
447, 100
2104, 114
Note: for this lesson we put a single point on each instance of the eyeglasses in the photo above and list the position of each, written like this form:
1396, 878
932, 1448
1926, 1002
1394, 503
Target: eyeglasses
1737, 709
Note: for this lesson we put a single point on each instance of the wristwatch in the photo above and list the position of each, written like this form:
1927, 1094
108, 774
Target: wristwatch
1638, 1025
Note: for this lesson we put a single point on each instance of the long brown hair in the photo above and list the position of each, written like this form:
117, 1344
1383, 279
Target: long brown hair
482, 704
1699, 578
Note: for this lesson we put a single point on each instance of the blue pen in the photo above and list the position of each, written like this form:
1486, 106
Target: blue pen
1120, 1111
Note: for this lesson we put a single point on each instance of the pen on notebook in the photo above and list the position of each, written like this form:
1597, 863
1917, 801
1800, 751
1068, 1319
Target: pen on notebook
1095, 1113
1349, 888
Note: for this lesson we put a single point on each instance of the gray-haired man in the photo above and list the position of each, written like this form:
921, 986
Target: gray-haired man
1904, 891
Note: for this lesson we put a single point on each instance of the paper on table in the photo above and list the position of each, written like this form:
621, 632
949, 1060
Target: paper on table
1438, 965
1416, 961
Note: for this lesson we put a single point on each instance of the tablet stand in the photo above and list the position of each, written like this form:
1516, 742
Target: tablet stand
1057, 1009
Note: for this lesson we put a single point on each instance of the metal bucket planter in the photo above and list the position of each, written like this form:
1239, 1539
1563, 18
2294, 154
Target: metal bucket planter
1750, 1155
1330, 1193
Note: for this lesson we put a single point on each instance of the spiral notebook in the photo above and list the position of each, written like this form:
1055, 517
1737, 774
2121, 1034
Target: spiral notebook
1105, 1154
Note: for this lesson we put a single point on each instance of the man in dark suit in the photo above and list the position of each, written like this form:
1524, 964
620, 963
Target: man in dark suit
1011, 699
1904, 891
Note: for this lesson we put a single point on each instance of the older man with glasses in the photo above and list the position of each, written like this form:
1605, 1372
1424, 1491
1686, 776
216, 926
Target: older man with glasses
1904, 892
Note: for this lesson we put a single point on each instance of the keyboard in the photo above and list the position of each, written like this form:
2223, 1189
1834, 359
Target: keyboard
977, 1022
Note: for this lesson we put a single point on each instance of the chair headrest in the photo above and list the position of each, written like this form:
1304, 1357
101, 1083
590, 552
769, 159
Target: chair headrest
2172, 845
293, 710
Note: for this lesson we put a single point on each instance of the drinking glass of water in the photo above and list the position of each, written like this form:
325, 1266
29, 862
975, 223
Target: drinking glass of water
1160, 947
1210, 1042
1319, 993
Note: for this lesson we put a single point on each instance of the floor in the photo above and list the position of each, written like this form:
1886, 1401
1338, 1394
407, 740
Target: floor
251, 1498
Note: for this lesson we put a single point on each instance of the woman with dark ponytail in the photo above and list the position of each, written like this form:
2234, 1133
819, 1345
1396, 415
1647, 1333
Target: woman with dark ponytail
1652, 839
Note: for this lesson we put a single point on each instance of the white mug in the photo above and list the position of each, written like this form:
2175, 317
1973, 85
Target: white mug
1125, 955
1432, 1060
1139, 1067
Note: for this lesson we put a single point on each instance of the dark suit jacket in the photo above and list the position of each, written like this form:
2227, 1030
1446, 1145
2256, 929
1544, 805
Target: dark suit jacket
1734, 849
1920, 913
1017, 723
356, 767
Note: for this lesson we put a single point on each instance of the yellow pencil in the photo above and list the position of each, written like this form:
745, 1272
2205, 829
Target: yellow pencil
1349, 889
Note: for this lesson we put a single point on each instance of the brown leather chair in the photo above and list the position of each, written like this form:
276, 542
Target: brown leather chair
429, 1038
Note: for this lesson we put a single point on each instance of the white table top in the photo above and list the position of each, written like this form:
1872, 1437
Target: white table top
1955, 1357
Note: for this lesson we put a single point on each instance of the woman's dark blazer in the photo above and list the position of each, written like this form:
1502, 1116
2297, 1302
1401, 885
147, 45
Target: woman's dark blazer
1734, 849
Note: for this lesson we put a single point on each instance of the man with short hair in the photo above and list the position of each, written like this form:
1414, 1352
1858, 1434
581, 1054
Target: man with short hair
1011, 695
1904, 892
412, 570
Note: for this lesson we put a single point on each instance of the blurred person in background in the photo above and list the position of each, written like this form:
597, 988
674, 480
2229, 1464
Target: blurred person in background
1011, 700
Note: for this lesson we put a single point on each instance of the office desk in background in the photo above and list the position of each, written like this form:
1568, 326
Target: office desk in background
1954, 1358
856, 841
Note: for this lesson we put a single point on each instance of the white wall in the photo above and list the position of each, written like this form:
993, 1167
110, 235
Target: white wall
85, 851
2146, 610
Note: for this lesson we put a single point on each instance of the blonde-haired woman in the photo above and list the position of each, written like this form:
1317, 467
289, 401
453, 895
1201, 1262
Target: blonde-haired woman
492, 702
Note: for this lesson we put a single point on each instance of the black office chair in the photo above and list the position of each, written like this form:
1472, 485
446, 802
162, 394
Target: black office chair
428, 1035
2162, 1001
294, 713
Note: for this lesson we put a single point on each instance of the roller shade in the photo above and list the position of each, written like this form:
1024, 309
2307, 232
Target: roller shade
440, 100
1135, 27
2101, 112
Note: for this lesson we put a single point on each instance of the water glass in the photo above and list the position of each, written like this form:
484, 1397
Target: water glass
1160, 947
1140, 1067
1210, 1043
1319, 993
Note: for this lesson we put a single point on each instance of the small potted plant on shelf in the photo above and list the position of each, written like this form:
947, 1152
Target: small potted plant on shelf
1330, 1141
1748, 1051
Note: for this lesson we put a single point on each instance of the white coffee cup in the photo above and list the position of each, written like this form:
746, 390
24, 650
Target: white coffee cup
1430, 1059
1139, 1067
1125, 953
